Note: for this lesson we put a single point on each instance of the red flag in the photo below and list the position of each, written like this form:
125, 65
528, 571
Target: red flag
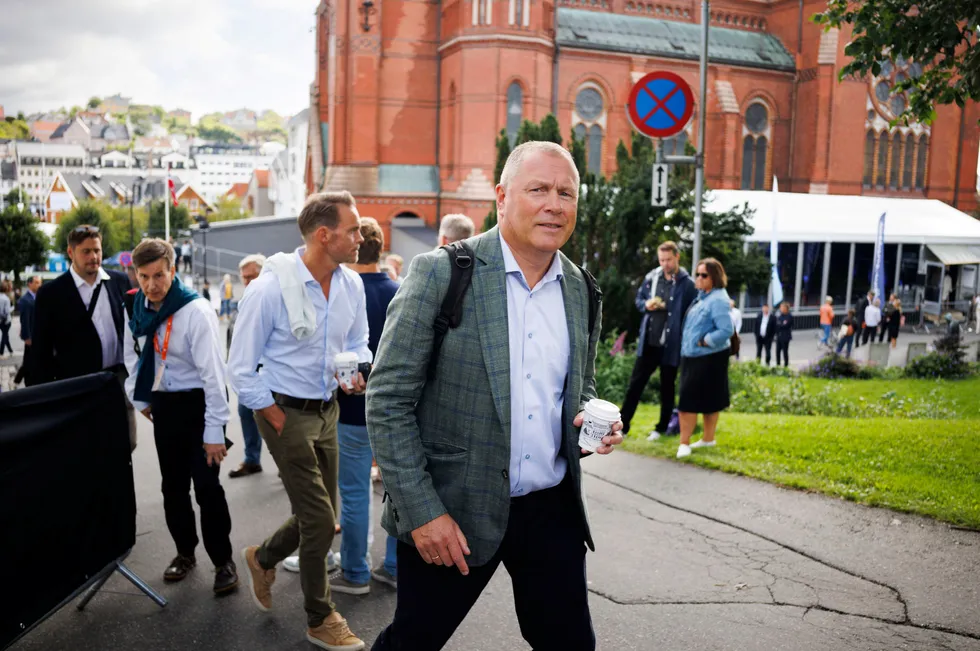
173, 193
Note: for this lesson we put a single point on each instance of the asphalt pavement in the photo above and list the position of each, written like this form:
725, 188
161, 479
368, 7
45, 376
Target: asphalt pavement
687, 559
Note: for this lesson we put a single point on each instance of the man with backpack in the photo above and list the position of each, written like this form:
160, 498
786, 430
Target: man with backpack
484, 368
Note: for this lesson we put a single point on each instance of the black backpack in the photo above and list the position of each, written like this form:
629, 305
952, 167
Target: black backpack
451, 313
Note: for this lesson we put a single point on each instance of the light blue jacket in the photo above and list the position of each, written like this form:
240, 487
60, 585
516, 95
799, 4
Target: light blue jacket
708, 319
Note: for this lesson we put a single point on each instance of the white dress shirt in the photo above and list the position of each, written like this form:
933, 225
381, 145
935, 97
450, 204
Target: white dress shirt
194, 361
300, 368
872, 316
101, 317
764, 324
539, 354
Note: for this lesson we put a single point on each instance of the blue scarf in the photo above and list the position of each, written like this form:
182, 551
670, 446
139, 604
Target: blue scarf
145, 322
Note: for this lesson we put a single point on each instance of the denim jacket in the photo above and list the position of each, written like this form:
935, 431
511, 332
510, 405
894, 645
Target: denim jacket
708, 319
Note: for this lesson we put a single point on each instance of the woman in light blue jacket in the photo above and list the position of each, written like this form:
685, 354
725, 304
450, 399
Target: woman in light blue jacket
705, 349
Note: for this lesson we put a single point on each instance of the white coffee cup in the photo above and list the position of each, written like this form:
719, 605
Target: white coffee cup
597, 422
346, 364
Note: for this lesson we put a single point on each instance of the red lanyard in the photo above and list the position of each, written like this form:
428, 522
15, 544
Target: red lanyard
166, 340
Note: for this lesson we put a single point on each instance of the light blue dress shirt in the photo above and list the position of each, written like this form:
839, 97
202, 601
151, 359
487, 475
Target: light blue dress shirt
194, 361
299, 368
539, 353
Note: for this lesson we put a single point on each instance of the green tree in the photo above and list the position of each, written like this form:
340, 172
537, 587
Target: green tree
503, 151
14, 129
94, 102
22, 242
16, 195
92, 213
228, 208
577, 149
180, 219
618, 232
940, 37
120, 216
74, 111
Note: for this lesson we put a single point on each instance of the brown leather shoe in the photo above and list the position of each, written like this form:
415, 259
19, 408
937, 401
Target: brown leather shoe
178, 568
334, 635
245, 470
260, 580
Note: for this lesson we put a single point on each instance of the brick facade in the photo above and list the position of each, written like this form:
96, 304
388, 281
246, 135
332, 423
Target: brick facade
406, 112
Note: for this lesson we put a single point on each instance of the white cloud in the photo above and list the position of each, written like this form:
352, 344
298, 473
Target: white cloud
200, 55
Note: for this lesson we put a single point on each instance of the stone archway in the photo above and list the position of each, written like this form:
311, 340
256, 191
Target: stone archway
410, 236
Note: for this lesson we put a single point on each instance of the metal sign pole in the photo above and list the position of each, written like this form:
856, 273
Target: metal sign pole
702, 125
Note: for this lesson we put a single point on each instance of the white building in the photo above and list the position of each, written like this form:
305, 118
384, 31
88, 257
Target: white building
38, 163
826, 248
221, 166
287, 187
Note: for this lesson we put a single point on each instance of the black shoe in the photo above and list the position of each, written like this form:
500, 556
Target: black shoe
245, 469
225, 578
178, 568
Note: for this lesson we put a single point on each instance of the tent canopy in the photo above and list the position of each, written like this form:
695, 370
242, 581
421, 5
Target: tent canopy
951, 254
844, 218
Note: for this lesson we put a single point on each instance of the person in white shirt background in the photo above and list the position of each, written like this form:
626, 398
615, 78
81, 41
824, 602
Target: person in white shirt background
765, 332
736, 315
872, 319
177, 380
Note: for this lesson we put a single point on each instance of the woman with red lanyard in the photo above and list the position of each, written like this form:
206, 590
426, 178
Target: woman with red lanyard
177, 380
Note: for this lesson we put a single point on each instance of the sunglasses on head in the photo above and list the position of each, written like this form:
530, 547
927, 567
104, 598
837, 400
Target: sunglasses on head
86, 229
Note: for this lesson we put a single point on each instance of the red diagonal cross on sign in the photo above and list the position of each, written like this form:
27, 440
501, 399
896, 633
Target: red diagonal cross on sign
660, 104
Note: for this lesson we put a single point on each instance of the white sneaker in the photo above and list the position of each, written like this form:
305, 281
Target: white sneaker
291, 564
654, 436
703, 444
683, 451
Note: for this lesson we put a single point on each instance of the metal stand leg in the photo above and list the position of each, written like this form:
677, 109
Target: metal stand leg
139, 583
117, 566
93, 590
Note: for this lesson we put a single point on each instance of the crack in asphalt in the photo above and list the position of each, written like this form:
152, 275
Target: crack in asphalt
904, 621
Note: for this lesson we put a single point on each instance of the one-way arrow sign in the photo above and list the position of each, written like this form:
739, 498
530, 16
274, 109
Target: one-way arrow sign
658, 198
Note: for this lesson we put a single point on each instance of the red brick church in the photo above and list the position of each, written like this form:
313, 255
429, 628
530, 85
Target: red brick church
409, 96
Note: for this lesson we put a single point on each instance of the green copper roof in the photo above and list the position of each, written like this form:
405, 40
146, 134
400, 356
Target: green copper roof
408, 178
596, 30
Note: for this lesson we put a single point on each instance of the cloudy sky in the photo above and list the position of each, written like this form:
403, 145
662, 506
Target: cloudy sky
199, 55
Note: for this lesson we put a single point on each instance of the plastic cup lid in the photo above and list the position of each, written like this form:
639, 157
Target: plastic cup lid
602, 409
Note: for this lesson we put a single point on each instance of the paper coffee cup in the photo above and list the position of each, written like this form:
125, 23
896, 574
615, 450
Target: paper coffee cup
598, 421
346, 364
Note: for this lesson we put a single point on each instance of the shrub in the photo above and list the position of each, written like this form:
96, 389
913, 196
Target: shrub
614, 362
834, 366
948, 361
793, 399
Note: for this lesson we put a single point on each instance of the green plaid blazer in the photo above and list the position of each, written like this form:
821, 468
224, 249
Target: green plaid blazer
443, 445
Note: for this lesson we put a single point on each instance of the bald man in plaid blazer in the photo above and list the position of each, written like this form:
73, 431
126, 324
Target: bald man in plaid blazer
481, 463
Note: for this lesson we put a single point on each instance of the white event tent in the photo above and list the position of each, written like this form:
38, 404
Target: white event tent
826, 247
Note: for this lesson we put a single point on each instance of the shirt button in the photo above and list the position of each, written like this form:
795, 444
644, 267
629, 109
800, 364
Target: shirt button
530, 335
529, 376
530, 416
527, 456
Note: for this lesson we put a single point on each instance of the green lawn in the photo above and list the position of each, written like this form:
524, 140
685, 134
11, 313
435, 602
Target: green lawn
962, 396
930, 467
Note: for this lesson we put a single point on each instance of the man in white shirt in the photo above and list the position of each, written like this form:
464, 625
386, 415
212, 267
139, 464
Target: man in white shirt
177, 380
303, 310
765, 332
872, 319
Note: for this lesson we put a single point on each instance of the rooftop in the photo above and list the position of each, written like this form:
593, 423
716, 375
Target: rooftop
50, 151
844, 218
595, 30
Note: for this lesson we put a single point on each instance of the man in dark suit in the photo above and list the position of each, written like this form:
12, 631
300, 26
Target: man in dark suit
765, 331
25, 306
78, 318
481, 461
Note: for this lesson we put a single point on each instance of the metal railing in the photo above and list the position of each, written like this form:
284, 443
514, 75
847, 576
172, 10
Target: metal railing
219, 261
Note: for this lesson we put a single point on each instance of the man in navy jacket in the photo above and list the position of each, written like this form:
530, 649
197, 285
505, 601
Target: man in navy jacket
663, 298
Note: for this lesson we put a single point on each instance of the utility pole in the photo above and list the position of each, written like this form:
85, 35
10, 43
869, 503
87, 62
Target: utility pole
702, 125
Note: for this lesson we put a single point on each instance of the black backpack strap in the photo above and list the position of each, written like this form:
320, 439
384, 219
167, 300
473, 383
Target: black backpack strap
595, 298
461, 258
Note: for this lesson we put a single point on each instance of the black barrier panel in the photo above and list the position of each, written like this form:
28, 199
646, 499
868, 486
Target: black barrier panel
67, 501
